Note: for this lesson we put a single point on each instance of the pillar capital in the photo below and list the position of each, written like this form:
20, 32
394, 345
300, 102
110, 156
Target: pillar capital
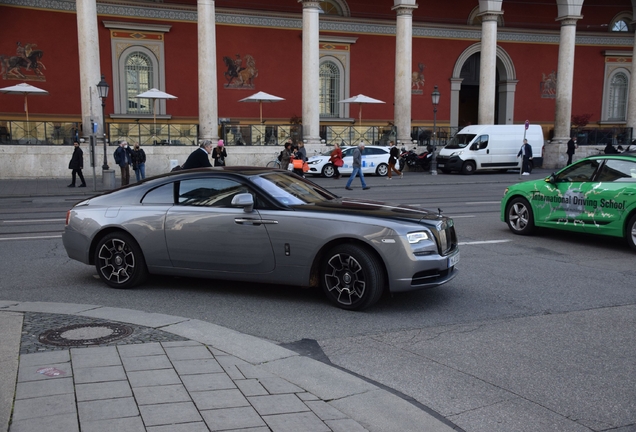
490, 16
404, 8
311, 4
569, 20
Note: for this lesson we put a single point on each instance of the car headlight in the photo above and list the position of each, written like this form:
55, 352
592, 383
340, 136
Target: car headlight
457, 153
416, 237
313, 162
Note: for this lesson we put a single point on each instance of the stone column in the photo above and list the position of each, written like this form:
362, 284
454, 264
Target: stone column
403, 69
311, 71
565, 79
208, 93
456, 86
631, 101
488, 68
89, 65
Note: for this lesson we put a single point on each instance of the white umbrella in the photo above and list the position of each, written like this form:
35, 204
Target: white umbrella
25, 89
261, 97
361, 99
155, 94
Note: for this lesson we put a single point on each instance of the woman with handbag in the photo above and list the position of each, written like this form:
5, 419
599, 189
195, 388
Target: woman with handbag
336, 159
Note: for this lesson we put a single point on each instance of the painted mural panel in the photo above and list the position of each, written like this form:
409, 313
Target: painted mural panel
25, 65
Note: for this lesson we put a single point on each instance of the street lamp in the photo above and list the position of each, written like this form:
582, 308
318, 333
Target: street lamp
102, 89
435, 98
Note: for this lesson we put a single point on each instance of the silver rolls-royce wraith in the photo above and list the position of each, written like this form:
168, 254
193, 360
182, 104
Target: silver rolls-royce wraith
261, 225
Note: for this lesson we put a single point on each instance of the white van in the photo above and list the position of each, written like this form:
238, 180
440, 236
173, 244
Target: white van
490, 147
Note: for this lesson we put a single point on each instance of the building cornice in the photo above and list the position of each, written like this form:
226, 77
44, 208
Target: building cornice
172, 12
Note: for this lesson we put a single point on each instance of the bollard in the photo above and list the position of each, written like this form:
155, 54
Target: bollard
108, 179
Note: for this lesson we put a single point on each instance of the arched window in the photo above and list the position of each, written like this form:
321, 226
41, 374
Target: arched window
329, 89
617, 103
621, 22
139, 78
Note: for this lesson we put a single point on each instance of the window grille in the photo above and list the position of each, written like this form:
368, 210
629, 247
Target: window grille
329, 89
139, 76
617, 106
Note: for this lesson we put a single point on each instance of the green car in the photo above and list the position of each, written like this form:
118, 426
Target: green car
595, 195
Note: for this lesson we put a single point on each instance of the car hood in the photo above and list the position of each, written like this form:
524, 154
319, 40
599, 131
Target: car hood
377, 209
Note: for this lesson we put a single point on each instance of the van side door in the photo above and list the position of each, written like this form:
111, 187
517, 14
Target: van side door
481, 152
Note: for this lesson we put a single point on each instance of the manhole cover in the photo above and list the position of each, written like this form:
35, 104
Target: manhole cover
85, 334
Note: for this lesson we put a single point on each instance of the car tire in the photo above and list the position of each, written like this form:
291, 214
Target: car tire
328, 171
382, 170
519, 216
468, 168
630, 232
119, 261
352, 277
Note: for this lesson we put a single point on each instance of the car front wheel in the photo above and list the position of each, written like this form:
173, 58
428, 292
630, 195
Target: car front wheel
519, 216
382, 169
119, 261
352, 278
630, 232
328, 171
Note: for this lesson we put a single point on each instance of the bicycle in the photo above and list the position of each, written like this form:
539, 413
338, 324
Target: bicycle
274, 163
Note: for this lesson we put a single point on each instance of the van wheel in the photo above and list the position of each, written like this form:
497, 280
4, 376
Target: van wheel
468, 168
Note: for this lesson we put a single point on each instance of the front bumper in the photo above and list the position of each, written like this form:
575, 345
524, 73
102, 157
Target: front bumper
452, 163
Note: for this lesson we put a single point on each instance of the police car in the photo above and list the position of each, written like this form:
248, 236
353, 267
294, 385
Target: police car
595, 195
375, 160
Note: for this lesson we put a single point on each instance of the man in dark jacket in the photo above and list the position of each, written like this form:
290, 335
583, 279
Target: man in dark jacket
123, 158
200, 158
526, 153
357, 167
571, 147
77, 164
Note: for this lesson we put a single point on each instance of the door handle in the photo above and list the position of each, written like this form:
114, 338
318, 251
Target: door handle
242, 221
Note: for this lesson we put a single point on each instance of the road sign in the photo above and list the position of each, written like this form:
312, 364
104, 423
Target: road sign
527, 124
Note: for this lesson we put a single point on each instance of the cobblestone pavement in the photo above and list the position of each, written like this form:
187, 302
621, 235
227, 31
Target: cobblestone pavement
91, 368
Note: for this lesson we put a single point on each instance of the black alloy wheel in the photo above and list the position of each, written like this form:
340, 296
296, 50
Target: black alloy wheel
119, 261
352, 278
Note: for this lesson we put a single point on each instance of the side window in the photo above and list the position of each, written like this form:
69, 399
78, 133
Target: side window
348, 152
483, 142
161, 195
579, 172
209, 192
618, 170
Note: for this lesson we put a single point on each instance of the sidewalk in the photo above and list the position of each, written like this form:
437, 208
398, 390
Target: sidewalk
91, 368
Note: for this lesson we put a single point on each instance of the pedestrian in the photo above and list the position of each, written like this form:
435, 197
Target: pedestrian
123, 158
286, 155
219, 154
609, 149
394, 154
139, 162
571, 147
336, 160
357, 167
526, 154
77, 165
200, 158
300, 154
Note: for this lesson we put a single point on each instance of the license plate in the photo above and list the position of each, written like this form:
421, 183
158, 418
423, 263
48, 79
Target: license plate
439, 165
452, 261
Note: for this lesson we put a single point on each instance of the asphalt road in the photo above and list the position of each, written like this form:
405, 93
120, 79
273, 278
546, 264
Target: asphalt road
534, 334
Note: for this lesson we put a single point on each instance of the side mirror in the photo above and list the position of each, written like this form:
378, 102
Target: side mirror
474, 147
551, 179
244, 200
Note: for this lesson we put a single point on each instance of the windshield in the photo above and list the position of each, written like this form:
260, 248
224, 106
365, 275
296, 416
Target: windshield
290, 190
460, 141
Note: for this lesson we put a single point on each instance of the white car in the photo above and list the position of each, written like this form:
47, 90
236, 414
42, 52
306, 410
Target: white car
375, 160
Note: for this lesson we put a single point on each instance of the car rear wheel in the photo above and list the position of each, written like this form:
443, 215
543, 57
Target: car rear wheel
468, 167
328, 171
119, 261
352, 278
630, 232
382, 169
519, 216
